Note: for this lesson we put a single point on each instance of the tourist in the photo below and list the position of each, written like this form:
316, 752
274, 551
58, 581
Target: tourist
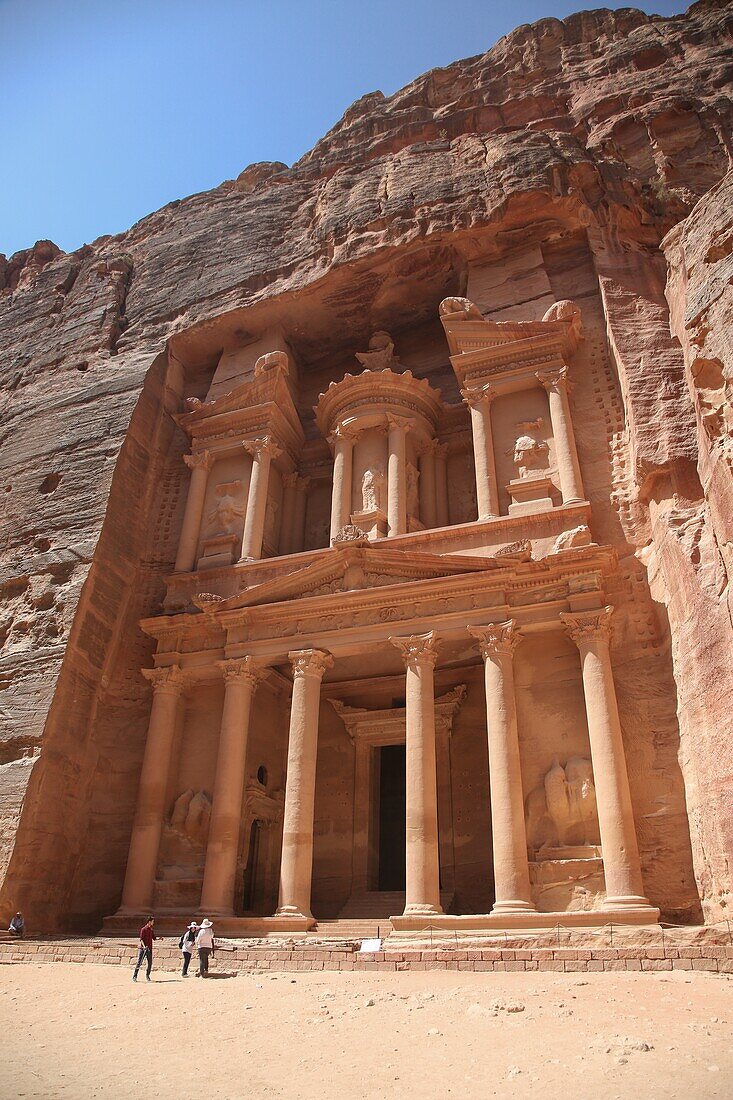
17, 926
205, 945
187, 943
146, 948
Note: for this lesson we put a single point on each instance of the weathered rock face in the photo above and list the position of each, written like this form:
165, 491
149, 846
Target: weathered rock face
552, 167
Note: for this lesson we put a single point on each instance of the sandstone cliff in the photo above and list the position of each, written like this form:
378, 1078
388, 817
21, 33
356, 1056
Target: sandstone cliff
557, 164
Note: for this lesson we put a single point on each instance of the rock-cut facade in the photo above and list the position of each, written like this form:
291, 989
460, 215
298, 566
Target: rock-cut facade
367, 523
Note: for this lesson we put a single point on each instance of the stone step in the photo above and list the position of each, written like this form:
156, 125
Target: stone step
382, 904
352, 929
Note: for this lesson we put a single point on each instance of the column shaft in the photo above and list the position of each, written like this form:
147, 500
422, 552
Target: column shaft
566, 454
511, 870
290, 493
142, 859
362, 790
621, 865
343, 447
397, 477
199, 464
487, 496
421, 846
296, 868
262, 451
441, 486
217, 894
427, 485
301, 501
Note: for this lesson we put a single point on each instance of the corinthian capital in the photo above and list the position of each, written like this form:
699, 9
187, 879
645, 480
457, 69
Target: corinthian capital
199, 458
475, 396
398, 423
497, 639
259, 448
554, 379
242, 669
169, 678
587, 627
343, 434
417, 649
310, 662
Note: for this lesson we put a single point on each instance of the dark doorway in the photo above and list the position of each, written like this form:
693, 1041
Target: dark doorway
250, 871
392, 817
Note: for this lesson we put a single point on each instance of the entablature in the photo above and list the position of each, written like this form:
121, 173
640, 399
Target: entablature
535, 593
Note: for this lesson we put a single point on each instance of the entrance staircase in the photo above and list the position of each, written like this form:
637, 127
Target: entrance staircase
366, 915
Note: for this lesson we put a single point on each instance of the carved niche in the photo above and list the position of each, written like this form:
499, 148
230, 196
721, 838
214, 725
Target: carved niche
563, 838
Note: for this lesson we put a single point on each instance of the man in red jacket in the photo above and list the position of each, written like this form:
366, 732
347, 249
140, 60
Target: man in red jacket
146, 948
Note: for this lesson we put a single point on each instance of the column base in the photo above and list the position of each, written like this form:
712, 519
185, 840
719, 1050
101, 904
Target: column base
627, 901
506, 908
420, 909
288, 919
214, 913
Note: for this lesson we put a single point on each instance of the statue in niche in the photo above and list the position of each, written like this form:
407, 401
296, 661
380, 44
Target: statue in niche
412, 475
530, 454
372, 485
228, 511
191, 815
562, 812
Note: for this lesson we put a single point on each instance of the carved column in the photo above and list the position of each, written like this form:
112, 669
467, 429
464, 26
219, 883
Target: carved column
446, 834
591, 632
296, 868
142, 859
301, 502
419, 653
428, 511
199, 464
263, 451
441, 485
397, 475
290, 492
511, 872
220, 869
487, 495
363, 761
342, 441
566, 454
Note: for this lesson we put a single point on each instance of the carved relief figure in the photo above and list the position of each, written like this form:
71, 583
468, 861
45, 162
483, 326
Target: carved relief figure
191, 815
228, 510
563, 810
412, 476
372, 485
530, 454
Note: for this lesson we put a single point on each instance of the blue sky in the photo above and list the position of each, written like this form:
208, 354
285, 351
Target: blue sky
111, 108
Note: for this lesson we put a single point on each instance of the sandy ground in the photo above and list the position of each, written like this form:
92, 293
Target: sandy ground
88, 1031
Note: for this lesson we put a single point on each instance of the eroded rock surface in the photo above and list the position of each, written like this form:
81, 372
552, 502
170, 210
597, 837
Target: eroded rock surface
550, 168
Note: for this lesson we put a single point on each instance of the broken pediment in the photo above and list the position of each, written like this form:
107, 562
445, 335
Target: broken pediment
481, 347
352, 568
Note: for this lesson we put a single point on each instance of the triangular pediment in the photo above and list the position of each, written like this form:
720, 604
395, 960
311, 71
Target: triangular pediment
356, 569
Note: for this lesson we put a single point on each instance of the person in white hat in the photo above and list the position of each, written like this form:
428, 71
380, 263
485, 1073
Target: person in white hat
187, 943
206, 947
